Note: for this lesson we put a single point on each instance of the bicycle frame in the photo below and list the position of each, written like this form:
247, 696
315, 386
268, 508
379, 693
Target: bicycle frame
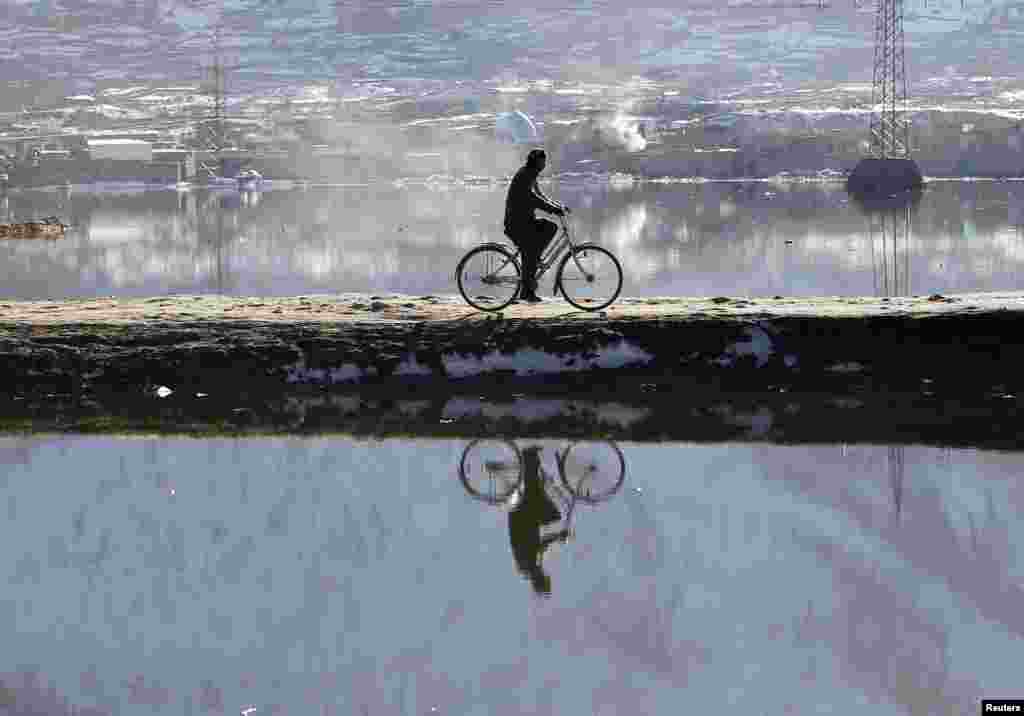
554, 251
559, 245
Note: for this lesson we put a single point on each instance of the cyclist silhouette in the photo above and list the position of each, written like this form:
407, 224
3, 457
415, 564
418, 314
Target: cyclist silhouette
530, 234
535, 509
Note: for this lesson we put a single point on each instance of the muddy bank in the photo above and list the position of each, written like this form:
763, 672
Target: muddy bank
933, 345
641, 413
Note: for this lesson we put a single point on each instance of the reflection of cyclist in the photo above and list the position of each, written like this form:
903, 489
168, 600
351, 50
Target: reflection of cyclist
530, 234
534, 510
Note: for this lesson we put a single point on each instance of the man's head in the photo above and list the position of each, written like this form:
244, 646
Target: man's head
537, 159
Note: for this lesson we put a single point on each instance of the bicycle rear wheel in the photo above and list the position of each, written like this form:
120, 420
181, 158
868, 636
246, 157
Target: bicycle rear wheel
593, 471
488, 278
491, 470
590, 277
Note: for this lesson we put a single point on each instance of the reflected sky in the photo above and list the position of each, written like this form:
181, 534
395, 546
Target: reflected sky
738, 239
292, 575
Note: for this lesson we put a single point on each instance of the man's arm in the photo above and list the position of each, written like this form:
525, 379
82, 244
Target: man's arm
543, 202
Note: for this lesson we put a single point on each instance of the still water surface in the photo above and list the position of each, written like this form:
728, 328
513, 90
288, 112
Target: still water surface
739, 239
339, 576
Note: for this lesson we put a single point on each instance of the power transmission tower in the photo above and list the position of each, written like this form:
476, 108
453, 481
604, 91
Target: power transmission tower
889, 130
218, 87
889, 169
213, 129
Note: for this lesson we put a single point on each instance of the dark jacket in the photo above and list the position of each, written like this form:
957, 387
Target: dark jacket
525, 196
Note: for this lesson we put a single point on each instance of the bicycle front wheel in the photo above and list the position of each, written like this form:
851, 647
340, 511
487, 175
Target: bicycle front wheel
590, 277
488, 278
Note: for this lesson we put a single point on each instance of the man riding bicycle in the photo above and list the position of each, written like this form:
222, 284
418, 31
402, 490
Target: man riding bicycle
530, 234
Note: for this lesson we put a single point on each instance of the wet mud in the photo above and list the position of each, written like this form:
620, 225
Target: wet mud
825, 367
639, 412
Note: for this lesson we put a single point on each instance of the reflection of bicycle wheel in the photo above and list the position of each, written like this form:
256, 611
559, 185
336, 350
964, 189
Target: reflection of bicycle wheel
593, 471
491, 470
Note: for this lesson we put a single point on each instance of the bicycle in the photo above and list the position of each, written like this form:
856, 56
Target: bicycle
492, 471
588, 276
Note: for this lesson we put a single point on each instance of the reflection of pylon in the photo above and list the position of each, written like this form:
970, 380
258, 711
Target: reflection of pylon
889, 234
895, 461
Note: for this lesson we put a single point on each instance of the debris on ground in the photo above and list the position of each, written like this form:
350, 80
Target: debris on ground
49, 228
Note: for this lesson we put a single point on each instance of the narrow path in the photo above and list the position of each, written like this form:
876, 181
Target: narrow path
968, 342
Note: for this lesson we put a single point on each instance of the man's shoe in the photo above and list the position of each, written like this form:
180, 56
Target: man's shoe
533, 299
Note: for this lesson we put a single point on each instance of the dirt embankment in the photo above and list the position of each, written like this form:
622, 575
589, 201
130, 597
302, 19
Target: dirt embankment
207, 344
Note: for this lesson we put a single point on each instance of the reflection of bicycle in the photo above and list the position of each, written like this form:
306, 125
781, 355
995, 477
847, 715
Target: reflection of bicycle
590, 472
588, 276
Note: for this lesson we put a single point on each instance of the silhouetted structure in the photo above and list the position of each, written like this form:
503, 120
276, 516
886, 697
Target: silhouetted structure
889, 169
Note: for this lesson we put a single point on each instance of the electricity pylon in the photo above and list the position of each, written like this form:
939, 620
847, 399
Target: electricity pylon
213, 129
888, 169
889, 130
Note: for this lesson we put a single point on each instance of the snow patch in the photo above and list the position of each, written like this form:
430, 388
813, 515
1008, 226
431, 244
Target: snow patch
758, 423
846, 368
534, 410
523, 362
411, 366
412, 408
347, 372
758, 343
531, 361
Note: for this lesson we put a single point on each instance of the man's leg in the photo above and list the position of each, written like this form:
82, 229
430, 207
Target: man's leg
527, 262
528, 248
532, 240
544, 231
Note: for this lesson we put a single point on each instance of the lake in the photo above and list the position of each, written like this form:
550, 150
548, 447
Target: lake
332, 575
691, 239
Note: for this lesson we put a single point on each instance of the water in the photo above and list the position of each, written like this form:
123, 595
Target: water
737, 239
332, 575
